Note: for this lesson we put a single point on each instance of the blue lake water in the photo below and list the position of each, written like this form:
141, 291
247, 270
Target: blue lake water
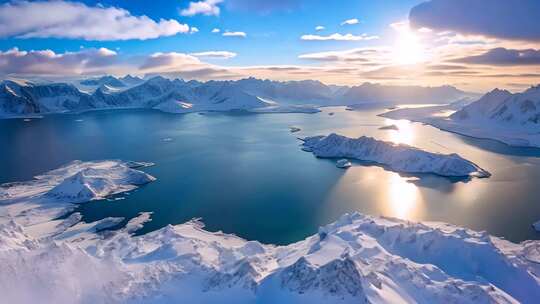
245, 174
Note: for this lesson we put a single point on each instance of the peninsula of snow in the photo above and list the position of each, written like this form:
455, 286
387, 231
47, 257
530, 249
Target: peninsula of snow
400, 158
357, 259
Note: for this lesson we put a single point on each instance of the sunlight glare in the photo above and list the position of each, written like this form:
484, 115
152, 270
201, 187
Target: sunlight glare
402, 197
408, 49
404, 134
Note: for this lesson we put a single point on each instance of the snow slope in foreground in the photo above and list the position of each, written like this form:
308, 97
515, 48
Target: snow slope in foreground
357, 259
513, 119
401, 158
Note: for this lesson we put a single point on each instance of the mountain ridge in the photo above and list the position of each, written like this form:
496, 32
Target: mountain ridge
20, 98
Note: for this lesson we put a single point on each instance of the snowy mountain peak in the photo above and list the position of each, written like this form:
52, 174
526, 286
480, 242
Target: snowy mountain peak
338, 278
108, 80
533, 91
158, 79
498, 92
131, 80
504, 108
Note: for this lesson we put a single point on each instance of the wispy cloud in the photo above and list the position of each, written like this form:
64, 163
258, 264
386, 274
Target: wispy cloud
339, 37
375, 56
165, 61
216, 30
234, 34
61, 19
350, 22
215, 54
205, 7
319, 28
185, 66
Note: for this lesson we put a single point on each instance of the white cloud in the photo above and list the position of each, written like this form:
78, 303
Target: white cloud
194, 30
47, 62
235, 34
319, 28
215, 54
167, 60
350, 22
61, 19
205, 7
185, 66
338, 37
216, 30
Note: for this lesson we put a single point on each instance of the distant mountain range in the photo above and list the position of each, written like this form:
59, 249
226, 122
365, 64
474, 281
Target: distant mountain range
20, 98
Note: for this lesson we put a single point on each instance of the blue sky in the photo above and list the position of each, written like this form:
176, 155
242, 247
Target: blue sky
272, 37
467, 43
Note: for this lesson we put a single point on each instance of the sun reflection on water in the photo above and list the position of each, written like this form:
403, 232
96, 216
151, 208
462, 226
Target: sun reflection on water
403, 197
404, 134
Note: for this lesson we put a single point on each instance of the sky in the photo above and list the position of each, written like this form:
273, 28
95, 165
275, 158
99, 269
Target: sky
471, 44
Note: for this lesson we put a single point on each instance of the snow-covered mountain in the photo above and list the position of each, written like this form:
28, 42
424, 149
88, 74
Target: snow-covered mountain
513, 119
294, 92
400, 158
177, 96
110, 81
26, 98
357, 259
131, 80
311, 91
18, 98
505, 108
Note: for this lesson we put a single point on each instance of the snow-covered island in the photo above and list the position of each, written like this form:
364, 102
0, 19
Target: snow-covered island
343, 163
513, 119
400, 158
536, 226
357, 259
57, 192
389, 127
294, 129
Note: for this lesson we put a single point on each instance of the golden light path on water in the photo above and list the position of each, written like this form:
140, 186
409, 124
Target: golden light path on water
404, 134
402, 195
402, 198
397, 196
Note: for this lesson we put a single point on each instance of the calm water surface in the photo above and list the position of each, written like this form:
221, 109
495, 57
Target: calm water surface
245, 174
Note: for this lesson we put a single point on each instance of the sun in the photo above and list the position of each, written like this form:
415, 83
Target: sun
408, 49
